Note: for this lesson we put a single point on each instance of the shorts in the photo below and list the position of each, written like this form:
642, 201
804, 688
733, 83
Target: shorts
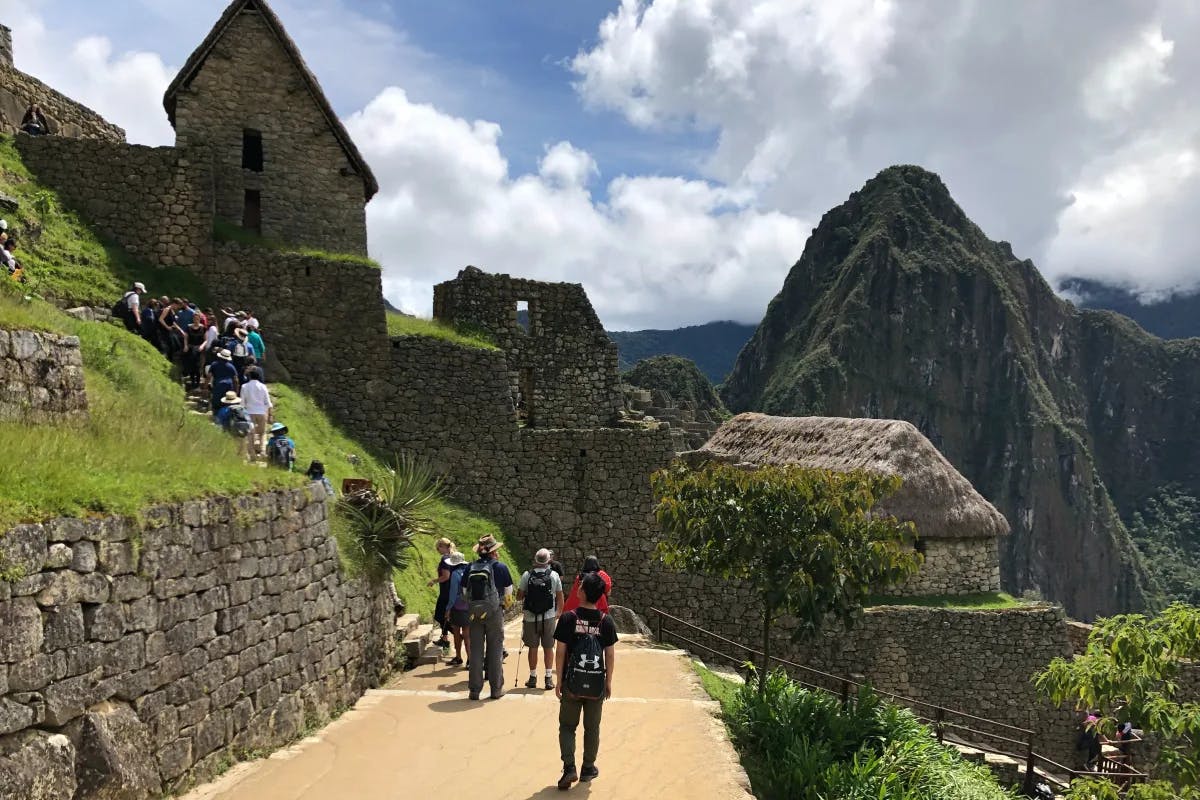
459, 619
539, 632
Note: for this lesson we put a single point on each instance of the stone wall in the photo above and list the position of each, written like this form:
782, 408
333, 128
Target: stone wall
311, 193
955, 566
562, 365
153, 201
142, 659
41, 378
64, 115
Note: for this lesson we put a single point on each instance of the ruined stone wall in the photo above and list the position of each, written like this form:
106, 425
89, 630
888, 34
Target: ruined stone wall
310, 191
64, 115
563, 360
41, 378
144, 658
955, 566
155, 202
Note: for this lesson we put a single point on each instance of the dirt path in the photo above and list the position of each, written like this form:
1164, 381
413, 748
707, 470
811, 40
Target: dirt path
424, 739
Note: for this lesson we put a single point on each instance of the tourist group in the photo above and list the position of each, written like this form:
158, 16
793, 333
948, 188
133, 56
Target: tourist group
573, 630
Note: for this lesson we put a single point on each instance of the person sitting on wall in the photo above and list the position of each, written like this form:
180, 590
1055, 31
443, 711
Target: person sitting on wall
6, 255
316, 474
34, 121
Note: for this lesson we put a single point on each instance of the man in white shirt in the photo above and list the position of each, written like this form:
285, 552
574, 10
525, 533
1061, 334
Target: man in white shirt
541, 592
257, 401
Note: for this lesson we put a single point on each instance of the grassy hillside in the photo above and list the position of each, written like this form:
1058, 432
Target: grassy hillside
713, 346
404, 325
140, 446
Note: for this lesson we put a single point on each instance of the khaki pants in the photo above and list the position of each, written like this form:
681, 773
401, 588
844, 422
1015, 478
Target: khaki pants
256, 440
569, 709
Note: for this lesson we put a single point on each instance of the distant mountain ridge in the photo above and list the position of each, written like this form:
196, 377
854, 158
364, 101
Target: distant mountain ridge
1176, 317
713, 346
1067, 420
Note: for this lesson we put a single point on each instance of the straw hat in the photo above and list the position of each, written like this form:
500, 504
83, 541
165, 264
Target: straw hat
224, 353
231, 399
487, 544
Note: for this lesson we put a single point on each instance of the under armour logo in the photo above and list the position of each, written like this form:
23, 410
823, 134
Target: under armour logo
589, 662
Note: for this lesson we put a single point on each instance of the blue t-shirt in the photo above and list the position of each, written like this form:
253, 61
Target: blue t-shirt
224, 375
184, 316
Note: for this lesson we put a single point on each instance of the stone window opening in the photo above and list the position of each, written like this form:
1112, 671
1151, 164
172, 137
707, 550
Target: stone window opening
252, 150
524, 316
919, 545
252, 211
525, 416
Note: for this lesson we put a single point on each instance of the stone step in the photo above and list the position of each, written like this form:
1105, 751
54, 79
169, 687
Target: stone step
430, 655
406, 625
415, 645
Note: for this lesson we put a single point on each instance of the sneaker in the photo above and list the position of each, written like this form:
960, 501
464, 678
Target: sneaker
587, 773
549, 681
454, 662
532, 682
569, 776
473, 696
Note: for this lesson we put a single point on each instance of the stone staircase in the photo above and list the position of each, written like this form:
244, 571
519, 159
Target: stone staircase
418, 646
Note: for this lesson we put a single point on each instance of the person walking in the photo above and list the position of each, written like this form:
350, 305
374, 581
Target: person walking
591, 565
223, 378
442, 579
456, 614
488, 585
257, 400
193, 352
541, 594
584, 659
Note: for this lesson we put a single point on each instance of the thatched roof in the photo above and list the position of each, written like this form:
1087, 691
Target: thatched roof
934, 495
196, 61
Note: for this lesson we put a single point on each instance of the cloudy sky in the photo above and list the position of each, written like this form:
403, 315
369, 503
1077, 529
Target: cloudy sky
673, 155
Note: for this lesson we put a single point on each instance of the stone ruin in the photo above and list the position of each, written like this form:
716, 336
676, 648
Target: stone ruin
690, 427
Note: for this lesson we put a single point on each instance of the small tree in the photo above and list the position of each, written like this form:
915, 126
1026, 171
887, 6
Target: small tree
805, 539
1128, 672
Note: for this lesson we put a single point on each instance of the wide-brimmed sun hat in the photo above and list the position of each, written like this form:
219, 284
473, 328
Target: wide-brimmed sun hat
225, 354
486, 544
279, 427
542, 556
231, 399
455, 559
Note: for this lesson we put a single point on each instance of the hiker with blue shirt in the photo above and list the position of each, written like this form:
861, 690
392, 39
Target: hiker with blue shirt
456, 617
489, 587
281, 451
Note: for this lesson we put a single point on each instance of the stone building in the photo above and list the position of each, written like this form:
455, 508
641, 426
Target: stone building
957, 529
283, 163
562, 365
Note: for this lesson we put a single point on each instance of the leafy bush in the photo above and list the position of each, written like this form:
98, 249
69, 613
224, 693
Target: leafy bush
803, 745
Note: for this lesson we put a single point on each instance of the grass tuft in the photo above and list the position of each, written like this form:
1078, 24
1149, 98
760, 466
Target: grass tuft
404, 325
225, 231
979, 601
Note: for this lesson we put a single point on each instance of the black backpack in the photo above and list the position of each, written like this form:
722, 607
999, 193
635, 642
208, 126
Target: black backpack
239, 422
123, 312
539, 591
585, 669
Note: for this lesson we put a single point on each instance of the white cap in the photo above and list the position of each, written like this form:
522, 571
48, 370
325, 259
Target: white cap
139, 287
3, 224
542, 556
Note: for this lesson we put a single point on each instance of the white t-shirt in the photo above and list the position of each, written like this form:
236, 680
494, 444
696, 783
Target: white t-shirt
134, 303
256, 398
210, 335
555, 588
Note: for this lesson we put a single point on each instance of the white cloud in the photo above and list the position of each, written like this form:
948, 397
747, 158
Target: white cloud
660, 251
1019, 107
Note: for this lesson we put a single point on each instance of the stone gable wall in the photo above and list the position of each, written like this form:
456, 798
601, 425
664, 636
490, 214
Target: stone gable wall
151, 656
153, 201
311, 194
955, 566
41, 378
65, 116
569, 358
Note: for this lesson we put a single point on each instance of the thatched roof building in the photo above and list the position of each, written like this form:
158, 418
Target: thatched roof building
934, 496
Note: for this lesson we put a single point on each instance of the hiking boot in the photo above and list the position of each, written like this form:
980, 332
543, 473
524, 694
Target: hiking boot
473, 696
454, 662
587, 773
532, 682
549, 681
569, 776
498, 695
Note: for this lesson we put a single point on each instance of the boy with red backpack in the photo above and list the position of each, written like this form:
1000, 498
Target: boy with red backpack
584, 661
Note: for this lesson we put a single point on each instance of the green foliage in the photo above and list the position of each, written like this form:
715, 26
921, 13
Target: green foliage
1167, 532
678, 377
718, 687
1095, 789
225, 231
384, 523
804, 539
404, 325
1128, 672
65, 259
977, 601
801, 745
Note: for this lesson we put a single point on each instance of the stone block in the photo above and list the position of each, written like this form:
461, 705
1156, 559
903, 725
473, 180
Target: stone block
32, 674
35, 765
14, 717
117, 558
84, 557
24, 549
63, 626
59, 556
67, 699
21, 629
175, 758
104, 622
111, 757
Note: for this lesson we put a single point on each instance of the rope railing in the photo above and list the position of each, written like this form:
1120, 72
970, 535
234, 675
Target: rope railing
1019, 741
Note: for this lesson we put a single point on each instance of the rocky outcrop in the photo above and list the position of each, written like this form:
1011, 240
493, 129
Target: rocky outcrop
41, 377
900, 307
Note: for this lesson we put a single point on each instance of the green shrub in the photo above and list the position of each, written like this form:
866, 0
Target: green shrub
802, 745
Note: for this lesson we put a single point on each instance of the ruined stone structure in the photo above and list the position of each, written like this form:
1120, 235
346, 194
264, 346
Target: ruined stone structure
283, 164
690, 427
135, 659
41, 377
64, 116
561, 365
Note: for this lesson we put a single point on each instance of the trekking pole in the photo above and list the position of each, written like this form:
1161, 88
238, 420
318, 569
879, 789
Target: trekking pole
517, 677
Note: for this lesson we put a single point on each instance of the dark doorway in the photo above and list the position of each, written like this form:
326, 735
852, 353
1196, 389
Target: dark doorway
252, 150
252, 211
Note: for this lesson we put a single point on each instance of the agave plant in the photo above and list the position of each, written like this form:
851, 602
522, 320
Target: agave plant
385, 520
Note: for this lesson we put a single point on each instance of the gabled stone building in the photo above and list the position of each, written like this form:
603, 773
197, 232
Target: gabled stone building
283, 163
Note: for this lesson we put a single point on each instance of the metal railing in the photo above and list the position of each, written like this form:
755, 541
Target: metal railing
979, 733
